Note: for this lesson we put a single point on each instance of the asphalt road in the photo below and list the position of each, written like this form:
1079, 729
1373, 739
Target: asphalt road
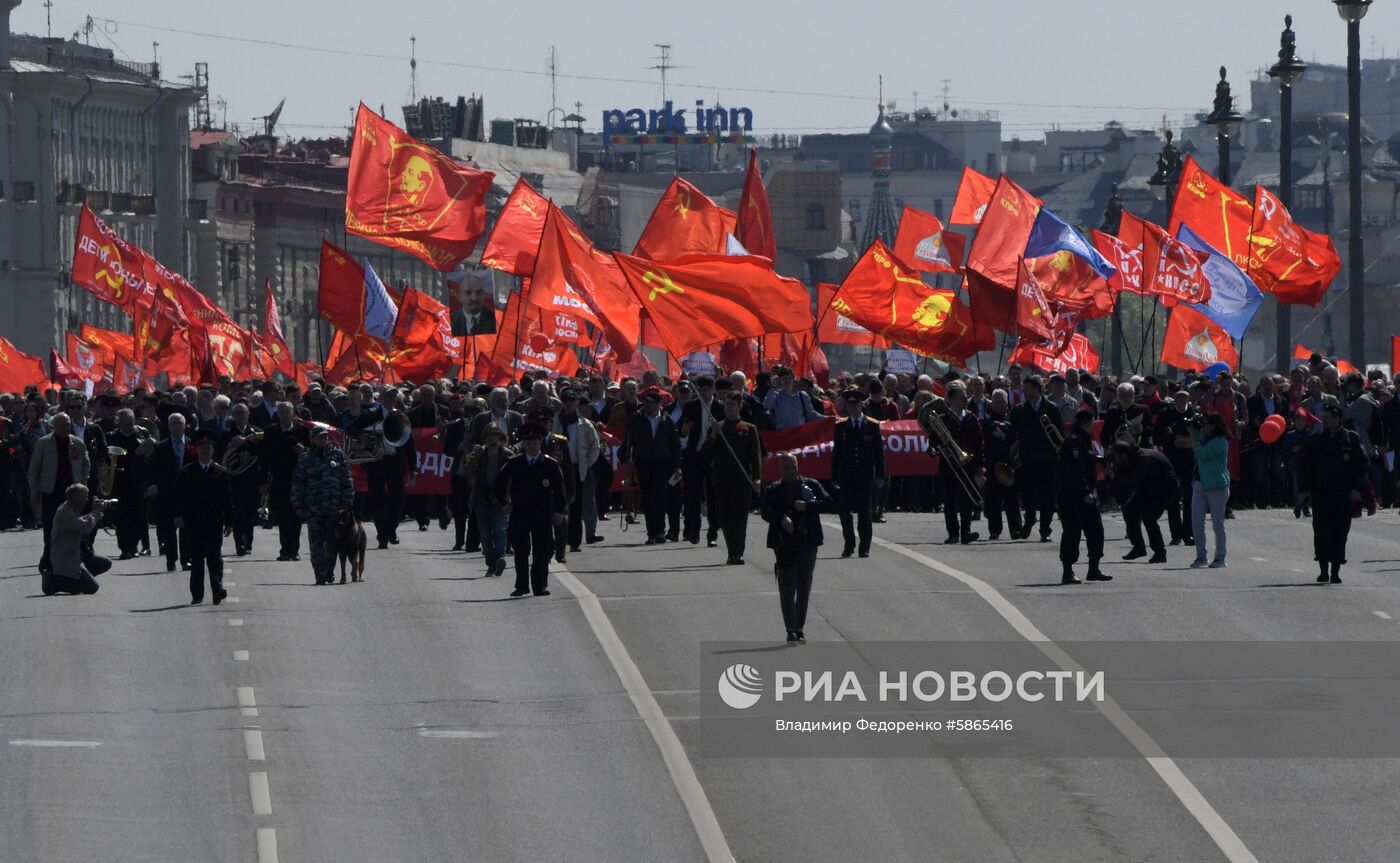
423, 716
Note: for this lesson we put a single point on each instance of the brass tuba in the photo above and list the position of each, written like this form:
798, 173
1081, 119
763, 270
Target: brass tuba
1131, 431
242, 458
107, 471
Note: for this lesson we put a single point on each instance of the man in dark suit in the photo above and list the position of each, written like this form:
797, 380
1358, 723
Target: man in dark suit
857, 467
967, 433
500, 414
169, 459
284, 441
247, 481
532, 487
696, 417
202, 495
1039, 460
653, 447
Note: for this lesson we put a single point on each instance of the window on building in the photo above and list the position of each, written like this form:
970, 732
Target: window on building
816, 217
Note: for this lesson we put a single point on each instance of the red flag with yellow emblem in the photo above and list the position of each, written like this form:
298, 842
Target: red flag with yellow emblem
1218, 214
418, 349
409, 195
516, 236
685, 222
701, 300
755, 219
19, 370
1289, 261
1000, 242
888, 299
572, 276
924, 244
109, 267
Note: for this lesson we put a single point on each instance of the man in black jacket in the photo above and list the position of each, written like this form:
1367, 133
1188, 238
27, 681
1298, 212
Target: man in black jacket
1036, 479
967, 433
170, 457
653, 447
202, 495
857, 468
1079, 504
1144, 482
1332, 478
284, 442
532, 487
696, 417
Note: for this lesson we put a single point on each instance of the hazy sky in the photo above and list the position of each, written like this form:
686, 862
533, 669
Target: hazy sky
1075, 63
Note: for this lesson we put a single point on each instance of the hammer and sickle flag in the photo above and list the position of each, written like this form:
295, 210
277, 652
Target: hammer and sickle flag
109, 267
408, 195
700, 300
516, 235
685, 222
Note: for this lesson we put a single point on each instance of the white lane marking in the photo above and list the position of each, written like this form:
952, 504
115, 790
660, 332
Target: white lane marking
240, 656
1381, 614
1225, 838
247, 704
267, 845
253, 744
232, 599
455, 734
1260, 559
235, 621
58, 744
692, 794
229, 584
262, 797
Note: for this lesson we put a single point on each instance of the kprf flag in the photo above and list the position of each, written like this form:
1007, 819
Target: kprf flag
924, 244
1172, 270
685, 222
409, 195
516, 236
109, 267
1000, 242
1216, 213
1079, 353
1287, 260
589, 283
1195, 341
974, 194
1233, 297
754, 228
834, 328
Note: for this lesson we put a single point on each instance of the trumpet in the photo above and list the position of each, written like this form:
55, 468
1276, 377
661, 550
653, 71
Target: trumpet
1052, 433
953, 456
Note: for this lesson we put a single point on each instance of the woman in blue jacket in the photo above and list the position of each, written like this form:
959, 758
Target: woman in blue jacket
1210, 488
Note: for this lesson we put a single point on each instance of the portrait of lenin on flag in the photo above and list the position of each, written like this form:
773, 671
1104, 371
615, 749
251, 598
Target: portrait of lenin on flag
473, 307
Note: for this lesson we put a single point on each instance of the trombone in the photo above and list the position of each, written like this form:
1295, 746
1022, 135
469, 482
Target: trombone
953, 456
1052, 433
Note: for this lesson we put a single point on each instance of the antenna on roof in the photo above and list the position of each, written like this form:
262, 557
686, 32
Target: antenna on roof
413, 68
553, 86
48, 16
664, 64
270, 121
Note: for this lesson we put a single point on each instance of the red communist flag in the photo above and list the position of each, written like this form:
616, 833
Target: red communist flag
273, 340
1126, 259
1289, 261
1000, 241
883, 296
516, 236
340, 294
685, 222
974, 194
1171, 269
19, 370
418, 351
1033, 314
1070, 283
1194, 341
62, 374
1079, 353
755, 219
108, 341
577, 278
1218, 214
88, 359
703, 300
834, 328
521, 346
924, 244
409, 195
109, 267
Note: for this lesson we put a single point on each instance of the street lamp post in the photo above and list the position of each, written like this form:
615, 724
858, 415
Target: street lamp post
1112, 220
1352, 11
1163, 182
1226, 121
1287, 71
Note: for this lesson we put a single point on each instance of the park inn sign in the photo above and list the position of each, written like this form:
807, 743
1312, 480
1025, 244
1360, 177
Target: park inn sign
669, 121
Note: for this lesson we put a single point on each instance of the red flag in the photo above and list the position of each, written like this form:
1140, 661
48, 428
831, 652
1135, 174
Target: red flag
1194, 341
1033, 315
1069, 282
1078, 354
883, 296
273, 340
685, 222
1395, 354
1171, 269
408, 195
517, 233
1287, 260
1126, 259
109, 267
127, 374
737, 355
974, 194
1218, 214
340, 293
19, 370
702, 300
521, 347
1000, 242
108, 341
565, 328
924, 244
835, 328
589, 281
755, 219
418, 350
62, 374
353, 360
89, 360
1343, 367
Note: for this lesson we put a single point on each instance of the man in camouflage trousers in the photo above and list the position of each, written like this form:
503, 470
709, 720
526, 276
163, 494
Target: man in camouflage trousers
321, 490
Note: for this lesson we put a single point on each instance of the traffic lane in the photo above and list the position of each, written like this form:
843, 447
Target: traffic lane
139, 671
424, 715
666, 602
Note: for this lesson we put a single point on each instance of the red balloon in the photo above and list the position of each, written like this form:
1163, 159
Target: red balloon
1272, 429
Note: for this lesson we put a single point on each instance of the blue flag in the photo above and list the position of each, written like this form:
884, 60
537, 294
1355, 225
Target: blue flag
1052, 234
380, 312
1233, 297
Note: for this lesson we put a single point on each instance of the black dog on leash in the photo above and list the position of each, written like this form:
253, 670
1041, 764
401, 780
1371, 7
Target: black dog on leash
349, 543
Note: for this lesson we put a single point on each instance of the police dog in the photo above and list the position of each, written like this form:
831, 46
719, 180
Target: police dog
348, 540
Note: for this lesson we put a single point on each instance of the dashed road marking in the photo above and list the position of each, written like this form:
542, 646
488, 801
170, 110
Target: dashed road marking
232, 599
57, 744
1381, 614
240, 656
235, 621
455, 733
247, 704
259, 792
267, 845
253, 744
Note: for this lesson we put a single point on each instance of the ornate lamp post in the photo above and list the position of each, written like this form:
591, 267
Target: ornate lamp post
1287, 71
1352, 11
1226, 121
1163, 181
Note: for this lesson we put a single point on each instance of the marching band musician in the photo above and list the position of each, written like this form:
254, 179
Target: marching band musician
245, 475
1033, 419
1125, 419
201, 503
857, 468
653, 446
998, 441
391, 470
966, 433
130, 479
1079, 504
284, 441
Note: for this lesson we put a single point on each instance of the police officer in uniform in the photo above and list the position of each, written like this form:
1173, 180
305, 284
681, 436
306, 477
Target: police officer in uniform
857, 467
1037, 475
532, 487
321, 490
653, 446
202, 495
1333, 476
734, 454
1079, 504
